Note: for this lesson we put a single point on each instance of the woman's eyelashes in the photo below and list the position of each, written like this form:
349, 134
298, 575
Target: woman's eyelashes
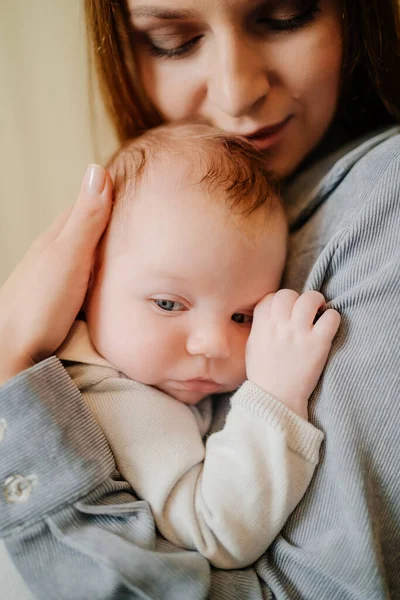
177, 51
287, 18
268, 18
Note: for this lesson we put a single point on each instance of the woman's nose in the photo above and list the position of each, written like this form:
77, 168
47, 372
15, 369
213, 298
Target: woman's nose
210, 341
238, 82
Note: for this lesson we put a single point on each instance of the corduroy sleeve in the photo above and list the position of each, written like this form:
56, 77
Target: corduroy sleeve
343, 540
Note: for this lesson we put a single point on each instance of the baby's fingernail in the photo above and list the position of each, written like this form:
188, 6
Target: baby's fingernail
95, 179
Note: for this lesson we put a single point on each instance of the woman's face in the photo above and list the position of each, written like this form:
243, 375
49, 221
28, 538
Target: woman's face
265, 69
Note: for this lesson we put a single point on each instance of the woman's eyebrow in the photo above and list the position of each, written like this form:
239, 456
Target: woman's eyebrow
162, 13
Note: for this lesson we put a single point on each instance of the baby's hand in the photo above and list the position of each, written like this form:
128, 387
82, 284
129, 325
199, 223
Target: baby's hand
286, 352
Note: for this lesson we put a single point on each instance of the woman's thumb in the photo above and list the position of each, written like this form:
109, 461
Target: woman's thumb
91, 212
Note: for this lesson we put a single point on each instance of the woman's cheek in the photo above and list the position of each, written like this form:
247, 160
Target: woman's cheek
173, 87
321, 59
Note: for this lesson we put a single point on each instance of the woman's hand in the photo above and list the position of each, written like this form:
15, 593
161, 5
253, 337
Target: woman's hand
287, 348
41, 298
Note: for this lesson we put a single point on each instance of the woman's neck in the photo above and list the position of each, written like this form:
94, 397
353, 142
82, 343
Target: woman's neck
336, 137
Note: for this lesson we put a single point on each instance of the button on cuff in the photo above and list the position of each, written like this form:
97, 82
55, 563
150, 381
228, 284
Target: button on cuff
17, 488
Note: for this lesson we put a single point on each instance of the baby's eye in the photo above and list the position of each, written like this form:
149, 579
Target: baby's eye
169, 305
242, 319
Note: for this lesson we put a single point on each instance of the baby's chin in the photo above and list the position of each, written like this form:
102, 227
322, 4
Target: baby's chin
185, 396
193, 397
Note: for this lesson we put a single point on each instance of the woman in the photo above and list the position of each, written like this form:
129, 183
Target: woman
313, 84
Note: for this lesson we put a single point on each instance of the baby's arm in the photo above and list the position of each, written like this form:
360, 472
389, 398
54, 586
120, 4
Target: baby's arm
227, 501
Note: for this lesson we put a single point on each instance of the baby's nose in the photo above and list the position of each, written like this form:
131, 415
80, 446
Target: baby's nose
212, 342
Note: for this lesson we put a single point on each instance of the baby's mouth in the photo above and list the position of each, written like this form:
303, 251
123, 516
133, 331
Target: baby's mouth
199, 384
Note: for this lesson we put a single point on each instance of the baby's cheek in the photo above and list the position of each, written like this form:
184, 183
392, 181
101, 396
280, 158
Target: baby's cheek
132, 358
240, 375
145, 358
235, 368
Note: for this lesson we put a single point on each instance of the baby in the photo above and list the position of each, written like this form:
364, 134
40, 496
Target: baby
197, 371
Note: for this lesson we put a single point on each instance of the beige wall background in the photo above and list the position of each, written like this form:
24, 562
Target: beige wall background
46, 135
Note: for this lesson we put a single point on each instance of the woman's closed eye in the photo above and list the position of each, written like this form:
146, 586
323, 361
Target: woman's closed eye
163, 51
292, 16
267, 18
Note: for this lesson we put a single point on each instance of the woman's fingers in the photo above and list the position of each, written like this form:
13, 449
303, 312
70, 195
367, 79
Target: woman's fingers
40, 300
88, 218
48, 237
69, 257
88, 207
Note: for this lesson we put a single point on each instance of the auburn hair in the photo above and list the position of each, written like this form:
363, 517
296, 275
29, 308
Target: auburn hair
370, 95
225, 162
209, 158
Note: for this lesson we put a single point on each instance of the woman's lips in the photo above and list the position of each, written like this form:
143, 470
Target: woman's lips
268, 136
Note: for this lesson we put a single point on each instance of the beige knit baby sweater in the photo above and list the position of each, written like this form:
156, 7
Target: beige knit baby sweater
224, 493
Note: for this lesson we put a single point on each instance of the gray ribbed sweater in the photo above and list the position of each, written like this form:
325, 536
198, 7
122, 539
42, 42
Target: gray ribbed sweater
81, 534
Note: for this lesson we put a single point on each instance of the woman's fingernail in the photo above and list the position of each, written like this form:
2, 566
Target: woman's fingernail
95, 179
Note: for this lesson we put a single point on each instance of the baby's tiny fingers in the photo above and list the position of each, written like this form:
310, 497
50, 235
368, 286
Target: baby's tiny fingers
264, 305
283, 303
328, 324
306, 308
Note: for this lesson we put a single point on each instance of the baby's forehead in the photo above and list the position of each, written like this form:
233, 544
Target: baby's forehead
190, 174
175, 167
132, 171
176, 187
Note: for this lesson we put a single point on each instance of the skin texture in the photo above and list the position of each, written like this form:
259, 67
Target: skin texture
241, 74
185, 247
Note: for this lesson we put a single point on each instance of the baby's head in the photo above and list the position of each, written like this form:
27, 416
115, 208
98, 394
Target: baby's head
196, 239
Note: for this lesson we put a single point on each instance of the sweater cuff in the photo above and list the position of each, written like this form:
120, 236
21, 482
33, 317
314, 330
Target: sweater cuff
52, 451
302, 437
